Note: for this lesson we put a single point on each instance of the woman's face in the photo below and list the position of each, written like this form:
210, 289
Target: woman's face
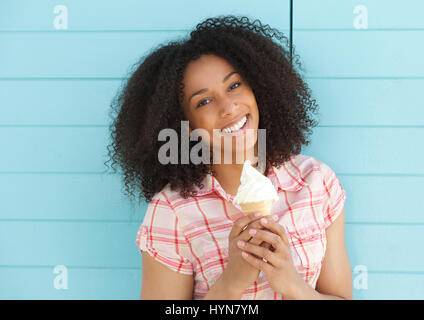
217, 97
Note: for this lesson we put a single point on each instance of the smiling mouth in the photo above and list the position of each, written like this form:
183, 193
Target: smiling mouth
241, 124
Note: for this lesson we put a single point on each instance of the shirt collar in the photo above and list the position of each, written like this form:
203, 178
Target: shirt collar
286, 178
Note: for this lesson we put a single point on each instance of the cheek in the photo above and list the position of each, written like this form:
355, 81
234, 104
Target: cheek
255, 116
204, 129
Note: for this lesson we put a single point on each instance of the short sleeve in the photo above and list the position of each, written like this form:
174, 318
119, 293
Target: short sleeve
160, 236
336, 195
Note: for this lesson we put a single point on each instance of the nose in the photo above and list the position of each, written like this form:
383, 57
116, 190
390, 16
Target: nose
227, 107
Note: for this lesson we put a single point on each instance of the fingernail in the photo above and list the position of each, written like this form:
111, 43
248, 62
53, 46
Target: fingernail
240, 243
252, 232
263, 220
258, 214
275, 217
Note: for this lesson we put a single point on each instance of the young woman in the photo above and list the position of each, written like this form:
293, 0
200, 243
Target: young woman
195, 242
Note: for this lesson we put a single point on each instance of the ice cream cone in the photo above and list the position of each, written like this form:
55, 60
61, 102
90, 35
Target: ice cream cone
264, 206
256, 192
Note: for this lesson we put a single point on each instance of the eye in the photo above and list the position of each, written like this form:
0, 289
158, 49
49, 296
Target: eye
239, 84
201, 104
233, 86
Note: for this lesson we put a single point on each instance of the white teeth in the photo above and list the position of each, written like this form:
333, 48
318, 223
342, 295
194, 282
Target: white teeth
237, 126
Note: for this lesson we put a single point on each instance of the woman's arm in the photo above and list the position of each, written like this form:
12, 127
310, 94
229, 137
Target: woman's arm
161, 283
335, 280
223, 290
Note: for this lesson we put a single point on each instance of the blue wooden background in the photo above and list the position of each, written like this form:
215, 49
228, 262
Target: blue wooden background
59, 207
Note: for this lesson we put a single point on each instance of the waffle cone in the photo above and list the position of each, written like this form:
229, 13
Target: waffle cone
262, 206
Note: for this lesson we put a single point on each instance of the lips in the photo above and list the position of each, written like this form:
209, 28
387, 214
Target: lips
240, 131
234, 122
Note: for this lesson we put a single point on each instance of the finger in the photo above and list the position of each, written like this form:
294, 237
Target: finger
260, 252
266, 245
260, 226
257, 225
272, 238
262, 244
276, 228
245, 236
251, 239
258, 262
241, 223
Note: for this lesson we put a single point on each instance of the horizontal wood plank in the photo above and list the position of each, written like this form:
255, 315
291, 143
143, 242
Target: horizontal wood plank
335, 14
19, 15
383, 248
357, 54
123, 284
386, 102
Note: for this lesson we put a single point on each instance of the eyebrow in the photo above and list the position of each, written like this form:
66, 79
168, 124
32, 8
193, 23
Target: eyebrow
206, 89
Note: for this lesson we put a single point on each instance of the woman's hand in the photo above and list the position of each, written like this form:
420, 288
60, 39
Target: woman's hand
238, 271
279, 268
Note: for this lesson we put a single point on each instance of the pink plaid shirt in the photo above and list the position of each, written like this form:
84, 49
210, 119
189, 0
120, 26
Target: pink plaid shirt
190, 236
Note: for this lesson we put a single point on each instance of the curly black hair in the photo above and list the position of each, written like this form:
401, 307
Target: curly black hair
150, 102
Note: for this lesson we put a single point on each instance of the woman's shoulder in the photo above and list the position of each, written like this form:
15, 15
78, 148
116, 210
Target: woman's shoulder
305, 165
169, 212
303, 172
304, 162
160, 211
298, 171
170, 197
